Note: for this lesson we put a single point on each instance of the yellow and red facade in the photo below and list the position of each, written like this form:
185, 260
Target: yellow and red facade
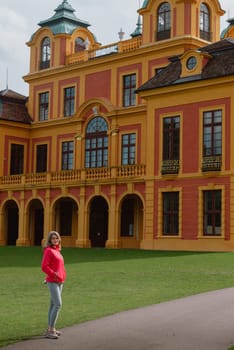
118, 205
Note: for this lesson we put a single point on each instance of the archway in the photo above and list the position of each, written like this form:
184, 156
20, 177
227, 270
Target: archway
66, 216
131, 221
11, 222
98, 222
36, 222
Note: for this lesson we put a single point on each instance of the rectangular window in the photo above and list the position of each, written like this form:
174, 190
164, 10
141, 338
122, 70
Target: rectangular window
96, 151
69, 101
212, 207
17, 159
67, 155
128, 149
41, 165
43, 106
129, 87
212, 133
171, 213
171, 138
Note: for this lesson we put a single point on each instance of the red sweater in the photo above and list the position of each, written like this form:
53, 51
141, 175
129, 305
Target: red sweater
53, 265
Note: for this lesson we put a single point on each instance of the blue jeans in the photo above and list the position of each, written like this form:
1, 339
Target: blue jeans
55, 302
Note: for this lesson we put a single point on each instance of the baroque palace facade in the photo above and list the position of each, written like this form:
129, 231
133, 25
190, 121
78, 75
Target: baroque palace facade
127, 145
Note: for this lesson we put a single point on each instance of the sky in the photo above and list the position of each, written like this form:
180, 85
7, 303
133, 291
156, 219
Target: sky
19, 19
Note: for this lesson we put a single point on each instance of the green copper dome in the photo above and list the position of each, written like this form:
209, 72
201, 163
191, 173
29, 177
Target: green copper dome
138, 30
231, 24
63, 21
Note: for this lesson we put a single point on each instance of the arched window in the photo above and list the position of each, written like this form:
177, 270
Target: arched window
79, 45
45, 53
163, 21
96, 143
205, 22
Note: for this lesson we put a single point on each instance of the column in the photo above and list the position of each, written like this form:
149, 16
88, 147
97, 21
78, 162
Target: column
113, 229
82, 240
23, 236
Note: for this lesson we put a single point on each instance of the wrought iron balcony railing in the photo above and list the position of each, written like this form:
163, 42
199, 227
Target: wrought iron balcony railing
171, 166
212, 163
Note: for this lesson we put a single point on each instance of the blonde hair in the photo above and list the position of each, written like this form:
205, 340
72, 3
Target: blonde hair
49, 242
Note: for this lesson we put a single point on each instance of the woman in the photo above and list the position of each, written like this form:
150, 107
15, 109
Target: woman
53, 266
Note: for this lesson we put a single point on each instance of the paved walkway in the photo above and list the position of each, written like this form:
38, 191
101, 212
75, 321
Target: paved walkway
200, 322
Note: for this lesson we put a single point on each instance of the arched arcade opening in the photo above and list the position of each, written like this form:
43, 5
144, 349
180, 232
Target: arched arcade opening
36, 222
11, 222
131, 221
98, 222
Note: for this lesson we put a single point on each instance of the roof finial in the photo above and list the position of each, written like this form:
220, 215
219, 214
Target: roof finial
121, 34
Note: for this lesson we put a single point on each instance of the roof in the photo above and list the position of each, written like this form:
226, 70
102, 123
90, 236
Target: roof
64, 20
221, 64
12, 94
13, 107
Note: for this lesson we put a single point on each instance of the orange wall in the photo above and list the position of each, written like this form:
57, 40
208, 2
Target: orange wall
190, 140
98, 85
190, 216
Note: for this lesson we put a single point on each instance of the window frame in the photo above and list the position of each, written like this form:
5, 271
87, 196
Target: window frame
43, 106
205, 22
45, 53
214, 213
170, 151
163, 30
129, 87
213, 139
67, 155
41, 162
128, 149
17, 152
69, 101
96, 143
171, 216
79, 44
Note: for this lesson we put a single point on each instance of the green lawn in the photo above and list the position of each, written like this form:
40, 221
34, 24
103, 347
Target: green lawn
101, 282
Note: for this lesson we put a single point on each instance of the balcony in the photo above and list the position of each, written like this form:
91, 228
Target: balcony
206, 35
163, 35
115, 48
44, 64
211, 163
171, 166
74, 177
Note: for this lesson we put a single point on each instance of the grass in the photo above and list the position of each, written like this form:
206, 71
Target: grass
101, 282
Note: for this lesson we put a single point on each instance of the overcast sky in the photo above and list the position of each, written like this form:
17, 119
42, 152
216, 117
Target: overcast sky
19, 18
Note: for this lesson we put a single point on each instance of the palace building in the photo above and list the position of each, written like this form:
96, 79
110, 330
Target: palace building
127, 145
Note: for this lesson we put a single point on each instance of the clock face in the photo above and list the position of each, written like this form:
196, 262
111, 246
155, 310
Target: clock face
191, 62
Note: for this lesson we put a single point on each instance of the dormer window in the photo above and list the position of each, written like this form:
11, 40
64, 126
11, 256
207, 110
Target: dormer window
191, 63
205, 22
45, 53
163, 22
